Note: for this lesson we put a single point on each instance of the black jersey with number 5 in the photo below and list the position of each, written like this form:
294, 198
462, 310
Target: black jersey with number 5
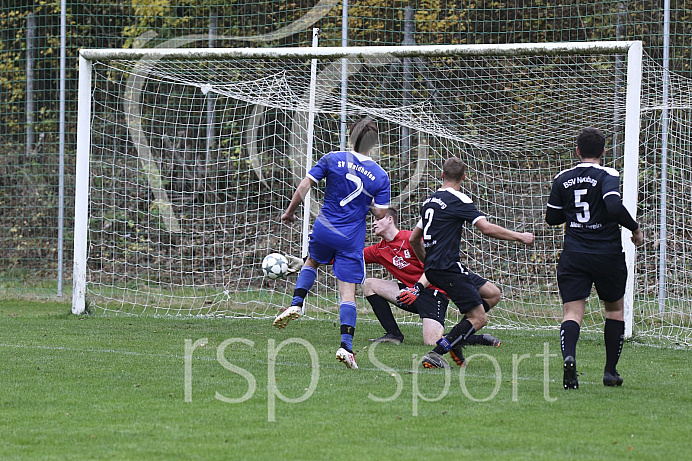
579, 192
443, 215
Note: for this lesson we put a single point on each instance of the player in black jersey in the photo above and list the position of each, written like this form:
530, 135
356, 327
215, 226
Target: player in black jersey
436, 240
586, 198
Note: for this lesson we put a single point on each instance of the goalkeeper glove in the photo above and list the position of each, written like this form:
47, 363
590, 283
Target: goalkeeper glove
409, 294
294, 264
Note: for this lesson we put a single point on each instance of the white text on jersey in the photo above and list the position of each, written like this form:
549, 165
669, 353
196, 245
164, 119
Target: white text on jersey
578, 180
437, 200
358, 168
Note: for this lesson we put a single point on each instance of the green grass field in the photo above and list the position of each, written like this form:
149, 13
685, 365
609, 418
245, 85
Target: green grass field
134, 388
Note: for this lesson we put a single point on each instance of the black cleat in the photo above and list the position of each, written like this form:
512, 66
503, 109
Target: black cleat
569, 379
489, 340
482, 340
612, 379
434, 360
389, 338
457, 354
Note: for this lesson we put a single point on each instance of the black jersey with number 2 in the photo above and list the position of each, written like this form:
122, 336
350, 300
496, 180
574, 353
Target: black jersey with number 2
443, 215
579, 192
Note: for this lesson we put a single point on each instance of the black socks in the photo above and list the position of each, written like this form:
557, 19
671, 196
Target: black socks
614, 336
460, 332
569, 335
383, 312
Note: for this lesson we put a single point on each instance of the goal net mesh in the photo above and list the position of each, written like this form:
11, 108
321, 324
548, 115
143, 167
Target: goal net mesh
193, 161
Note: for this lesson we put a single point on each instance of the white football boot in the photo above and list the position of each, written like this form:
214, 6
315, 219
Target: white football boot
287, 315
347, 358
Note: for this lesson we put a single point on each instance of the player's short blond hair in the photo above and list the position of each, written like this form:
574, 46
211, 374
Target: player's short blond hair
454, 169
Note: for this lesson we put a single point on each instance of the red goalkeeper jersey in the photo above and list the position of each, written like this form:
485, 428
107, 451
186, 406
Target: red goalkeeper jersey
397, 257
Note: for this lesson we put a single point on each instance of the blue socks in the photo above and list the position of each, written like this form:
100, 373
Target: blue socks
347, 309
347, 316
306, 279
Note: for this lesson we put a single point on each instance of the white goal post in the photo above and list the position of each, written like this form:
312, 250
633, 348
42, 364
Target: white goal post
186, 157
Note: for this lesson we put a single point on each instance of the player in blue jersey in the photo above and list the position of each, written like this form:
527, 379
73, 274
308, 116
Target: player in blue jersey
586, 198
436, 240
354, 185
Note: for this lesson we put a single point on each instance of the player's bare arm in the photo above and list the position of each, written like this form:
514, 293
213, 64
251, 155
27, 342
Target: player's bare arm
417, 243
423, 280
379, 213
499, 232
298, 197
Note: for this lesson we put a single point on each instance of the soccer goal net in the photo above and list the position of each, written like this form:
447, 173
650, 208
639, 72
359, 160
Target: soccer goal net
187, 158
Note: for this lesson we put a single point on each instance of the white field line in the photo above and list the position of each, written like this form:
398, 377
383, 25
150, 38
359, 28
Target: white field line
335, 365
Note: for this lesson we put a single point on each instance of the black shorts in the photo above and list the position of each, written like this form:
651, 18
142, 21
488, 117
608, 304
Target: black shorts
577, 272
431, 304
460, 284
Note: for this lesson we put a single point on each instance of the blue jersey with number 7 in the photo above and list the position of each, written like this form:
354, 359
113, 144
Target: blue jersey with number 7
353, 182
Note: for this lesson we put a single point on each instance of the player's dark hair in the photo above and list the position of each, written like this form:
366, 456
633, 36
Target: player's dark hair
591, 142
364, 134
454, 169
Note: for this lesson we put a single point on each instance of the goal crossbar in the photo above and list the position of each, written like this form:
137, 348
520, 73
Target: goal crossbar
514, 49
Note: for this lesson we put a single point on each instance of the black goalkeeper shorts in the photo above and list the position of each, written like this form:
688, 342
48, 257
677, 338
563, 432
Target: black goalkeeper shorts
431, 304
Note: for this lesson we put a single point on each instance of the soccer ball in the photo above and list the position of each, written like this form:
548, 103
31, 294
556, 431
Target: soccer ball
274, 266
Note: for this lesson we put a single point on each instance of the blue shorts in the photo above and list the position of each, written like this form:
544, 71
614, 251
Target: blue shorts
348, 264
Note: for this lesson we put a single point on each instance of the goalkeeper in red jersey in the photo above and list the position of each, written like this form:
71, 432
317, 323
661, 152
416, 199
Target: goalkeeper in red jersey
415, 295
